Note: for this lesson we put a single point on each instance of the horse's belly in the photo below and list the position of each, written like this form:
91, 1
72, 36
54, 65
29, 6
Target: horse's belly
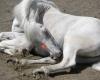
93, 53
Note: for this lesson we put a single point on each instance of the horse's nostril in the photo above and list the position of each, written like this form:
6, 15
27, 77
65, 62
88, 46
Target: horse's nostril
53, 57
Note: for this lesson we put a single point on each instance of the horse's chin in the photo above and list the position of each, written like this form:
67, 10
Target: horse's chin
40, 52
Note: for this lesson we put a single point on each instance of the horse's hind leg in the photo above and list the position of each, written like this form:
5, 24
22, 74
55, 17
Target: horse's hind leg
16, 31
96, 66
8, 46
7, 35
14, 46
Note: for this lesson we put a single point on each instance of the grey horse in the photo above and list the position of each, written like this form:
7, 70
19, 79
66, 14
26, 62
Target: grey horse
69, 36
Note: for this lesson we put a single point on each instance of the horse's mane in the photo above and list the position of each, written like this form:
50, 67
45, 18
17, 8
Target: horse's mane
39, 7
46, 4
43, 7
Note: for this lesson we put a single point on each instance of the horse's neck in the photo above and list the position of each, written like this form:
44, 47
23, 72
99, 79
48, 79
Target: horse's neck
50, 19
57, 23
50, 16
52, 10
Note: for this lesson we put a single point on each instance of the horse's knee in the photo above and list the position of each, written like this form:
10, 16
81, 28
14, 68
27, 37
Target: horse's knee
69, 54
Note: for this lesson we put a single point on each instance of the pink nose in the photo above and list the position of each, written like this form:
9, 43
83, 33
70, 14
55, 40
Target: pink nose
43, 46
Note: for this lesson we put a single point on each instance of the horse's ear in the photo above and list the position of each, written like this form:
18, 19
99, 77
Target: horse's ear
36, 15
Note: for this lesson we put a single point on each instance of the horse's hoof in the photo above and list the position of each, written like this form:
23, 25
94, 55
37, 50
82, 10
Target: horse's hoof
40, 76
2, 50
13, 61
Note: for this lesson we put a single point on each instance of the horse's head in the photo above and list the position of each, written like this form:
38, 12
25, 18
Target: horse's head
41, 40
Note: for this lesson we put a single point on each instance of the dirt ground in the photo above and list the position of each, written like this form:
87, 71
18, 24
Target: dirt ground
17, 72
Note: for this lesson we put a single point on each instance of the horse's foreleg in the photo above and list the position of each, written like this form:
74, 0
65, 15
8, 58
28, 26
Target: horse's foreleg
96, 66
69, 55
46, 60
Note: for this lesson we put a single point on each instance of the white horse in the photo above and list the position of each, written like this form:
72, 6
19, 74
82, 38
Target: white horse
74, 35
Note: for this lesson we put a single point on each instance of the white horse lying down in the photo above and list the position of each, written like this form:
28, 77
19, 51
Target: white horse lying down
73, 35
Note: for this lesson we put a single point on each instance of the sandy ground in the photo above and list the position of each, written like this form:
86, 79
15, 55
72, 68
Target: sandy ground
17, 72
